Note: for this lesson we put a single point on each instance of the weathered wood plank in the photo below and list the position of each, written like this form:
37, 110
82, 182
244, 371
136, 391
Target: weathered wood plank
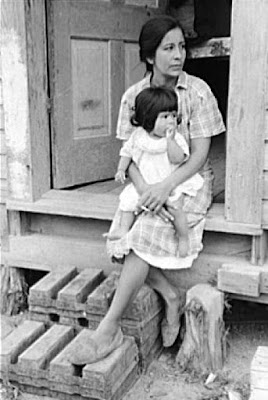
215, 47
103, 206
259, 370
246, 111
245, 280
24, 72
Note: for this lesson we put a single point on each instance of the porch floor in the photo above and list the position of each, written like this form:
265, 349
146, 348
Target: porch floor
100, 201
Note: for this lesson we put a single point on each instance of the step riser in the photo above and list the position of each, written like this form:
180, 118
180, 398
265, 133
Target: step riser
67, 226
43, 252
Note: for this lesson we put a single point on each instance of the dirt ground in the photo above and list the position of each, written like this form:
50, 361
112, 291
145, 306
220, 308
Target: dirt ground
247, 324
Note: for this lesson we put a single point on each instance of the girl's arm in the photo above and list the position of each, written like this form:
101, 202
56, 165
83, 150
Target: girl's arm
176, 154
156, 195
123, 165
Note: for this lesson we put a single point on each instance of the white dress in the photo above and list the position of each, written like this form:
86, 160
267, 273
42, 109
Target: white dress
151, 157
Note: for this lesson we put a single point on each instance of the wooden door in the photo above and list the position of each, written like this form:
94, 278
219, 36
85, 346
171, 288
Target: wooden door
93, 56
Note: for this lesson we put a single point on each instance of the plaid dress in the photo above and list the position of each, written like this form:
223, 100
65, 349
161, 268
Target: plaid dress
150, 237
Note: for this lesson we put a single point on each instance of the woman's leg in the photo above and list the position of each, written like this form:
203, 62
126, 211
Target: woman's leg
158, 281
108, 336
133, 276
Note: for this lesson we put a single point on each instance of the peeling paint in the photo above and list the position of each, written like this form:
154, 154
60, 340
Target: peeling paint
18, 180
15, 96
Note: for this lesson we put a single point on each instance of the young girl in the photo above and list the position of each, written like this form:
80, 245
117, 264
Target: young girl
157, 149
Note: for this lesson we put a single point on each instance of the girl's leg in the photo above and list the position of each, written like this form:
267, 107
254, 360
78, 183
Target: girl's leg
181, 226
119, 230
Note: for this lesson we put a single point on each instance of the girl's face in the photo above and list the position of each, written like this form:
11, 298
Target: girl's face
165, 120
169, 57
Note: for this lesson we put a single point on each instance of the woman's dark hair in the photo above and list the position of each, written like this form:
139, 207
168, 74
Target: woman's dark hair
150, 102
152, 34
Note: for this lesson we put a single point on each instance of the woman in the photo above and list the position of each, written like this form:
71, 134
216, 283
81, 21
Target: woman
151, 246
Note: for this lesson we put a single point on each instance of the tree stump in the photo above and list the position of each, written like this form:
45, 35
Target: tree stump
13, 291
203, 349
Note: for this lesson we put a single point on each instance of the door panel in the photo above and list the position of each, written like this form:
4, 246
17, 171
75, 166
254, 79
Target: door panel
90, 78
93, 57
134, 68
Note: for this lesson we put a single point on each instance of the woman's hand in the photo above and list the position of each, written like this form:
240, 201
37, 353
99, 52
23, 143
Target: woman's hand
154, 197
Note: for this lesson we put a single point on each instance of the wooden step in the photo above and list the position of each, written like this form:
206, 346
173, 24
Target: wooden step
103, 206
41, 252
243, 278
35, 358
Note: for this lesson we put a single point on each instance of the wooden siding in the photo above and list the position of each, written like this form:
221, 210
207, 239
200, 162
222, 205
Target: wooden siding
246, 111
3, 174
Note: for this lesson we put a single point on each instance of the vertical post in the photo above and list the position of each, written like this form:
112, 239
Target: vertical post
24, 69
246, 111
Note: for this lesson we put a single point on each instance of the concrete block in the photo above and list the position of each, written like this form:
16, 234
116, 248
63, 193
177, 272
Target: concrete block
45, 291
79, 288
18, 340
44, 349
146, 303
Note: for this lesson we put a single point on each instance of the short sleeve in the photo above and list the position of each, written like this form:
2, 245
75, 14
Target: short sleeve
127, 148
124, 126
206, 119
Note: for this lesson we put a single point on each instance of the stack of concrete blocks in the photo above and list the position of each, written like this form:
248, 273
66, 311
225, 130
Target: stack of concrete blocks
81, 299
259, 374
35, 357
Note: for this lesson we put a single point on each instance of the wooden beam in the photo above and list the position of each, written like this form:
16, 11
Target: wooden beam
246, 111
215, 47
24, 72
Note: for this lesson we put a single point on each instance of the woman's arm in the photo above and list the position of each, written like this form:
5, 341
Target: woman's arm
156, 195
137, 179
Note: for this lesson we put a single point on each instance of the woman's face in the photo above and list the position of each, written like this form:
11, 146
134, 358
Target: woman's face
169, 57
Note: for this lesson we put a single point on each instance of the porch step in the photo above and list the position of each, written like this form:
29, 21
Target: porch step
39, 251
35, 357
81, 299
103, 206
242, 278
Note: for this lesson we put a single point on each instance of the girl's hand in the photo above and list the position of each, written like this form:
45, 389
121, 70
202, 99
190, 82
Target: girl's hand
171, 133
120, 176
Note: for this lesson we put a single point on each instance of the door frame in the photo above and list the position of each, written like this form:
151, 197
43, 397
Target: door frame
24, 61
24, 39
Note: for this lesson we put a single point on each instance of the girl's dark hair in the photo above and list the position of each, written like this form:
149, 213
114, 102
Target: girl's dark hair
152, 34
150, 102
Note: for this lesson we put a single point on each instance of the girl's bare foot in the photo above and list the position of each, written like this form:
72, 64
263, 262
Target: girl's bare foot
116, 233
183, 246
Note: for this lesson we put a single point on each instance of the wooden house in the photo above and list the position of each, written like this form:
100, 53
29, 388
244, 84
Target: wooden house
65, 65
